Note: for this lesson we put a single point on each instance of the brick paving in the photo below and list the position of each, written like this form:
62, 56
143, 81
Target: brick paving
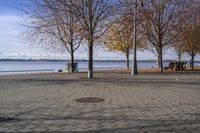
145, 103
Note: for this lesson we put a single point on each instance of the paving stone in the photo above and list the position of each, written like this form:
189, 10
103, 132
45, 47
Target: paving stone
152, 103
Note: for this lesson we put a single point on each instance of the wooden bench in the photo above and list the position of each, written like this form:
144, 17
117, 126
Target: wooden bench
74, 67
69, 68
177, 66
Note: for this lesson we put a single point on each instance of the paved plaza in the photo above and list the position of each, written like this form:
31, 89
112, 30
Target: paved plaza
147, 103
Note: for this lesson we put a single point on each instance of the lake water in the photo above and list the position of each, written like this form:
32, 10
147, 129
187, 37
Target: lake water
10, 67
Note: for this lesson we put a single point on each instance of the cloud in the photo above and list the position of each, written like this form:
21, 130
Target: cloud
11, 46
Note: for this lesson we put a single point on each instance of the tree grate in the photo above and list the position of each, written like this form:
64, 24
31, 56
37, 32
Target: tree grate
3, 119
90, 100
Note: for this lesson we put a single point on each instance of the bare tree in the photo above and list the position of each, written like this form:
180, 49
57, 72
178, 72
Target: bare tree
95, 17
161, 18
52, 26
179, 51
178, 47
190, 33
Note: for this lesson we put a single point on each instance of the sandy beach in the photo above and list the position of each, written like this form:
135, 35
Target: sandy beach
151, 102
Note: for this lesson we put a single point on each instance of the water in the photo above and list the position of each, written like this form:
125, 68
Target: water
10, 67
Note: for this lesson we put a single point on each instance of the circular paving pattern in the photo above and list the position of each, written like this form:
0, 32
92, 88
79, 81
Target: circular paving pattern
90, 100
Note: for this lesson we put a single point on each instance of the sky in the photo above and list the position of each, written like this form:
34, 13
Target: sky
13, 46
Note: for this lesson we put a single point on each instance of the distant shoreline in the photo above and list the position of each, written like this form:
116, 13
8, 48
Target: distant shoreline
54, 60
97, 71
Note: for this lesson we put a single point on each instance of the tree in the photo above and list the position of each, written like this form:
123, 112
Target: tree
52, 26
191, 30
191, 37
160, 19
120, 37
179, 49
95, 17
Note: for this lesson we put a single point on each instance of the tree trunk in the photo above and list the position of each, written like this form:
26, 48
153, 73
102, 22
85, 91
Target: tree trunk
192, 62
72, 59
160, 59
179, 57
127, 61
90, 39
90, 60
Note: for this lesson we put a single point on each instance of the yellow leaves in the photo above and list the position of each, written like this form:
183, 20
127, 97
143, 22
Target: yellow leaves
191, 38
119, 35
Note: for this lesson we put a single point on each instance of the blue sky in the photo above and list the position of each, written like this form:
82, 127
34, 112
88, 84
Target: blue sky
13, 46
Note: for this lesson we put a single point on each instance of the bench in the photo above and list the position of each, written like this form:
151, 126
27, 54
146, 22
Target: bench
74, 68
176, 66
69, 68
